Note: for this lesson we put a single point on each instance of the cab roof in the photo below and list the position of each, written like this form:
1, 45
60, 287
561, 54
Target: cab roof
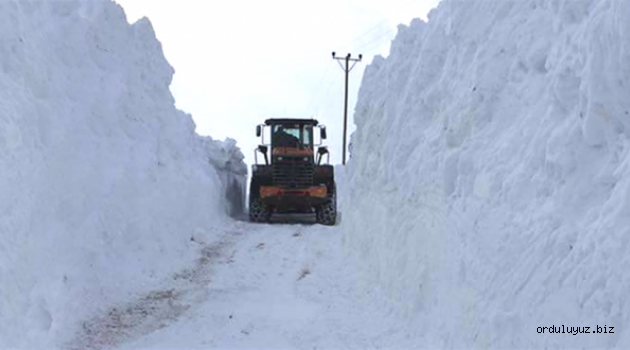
274, 121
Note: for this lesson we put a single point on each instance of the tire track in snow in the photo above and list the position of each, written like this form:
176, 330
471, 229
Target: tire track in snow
159, 308
289, 287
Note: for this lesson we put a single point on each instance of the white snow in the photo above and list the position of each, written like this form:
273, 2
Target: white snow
275, 287
487, 194
103, 181
489, 182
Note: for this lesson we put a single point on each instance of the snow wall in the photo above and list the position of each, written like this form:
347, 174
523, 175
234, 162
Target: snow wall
103, 181
489, 184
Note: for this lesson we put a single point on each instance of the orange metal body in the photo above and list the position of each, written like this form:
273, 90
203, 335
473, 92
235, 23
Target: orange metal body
292, 151
313, 191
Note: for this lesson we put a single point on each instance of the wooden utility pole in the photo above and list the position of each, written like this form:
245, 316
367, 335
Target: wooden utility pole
347, 70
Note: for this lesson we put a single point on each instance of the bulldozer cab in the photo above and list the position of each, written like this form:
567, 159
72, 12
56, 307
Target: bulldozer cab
292, 180
291, 137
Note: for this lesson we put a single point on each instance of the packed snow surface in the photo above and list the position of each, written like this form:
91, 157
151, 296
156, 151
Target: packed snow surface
489, 181
487, 195
277, 287
103, 181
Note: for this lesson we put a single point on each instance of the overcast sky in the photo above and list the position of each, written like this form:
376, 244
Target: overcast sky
238, 62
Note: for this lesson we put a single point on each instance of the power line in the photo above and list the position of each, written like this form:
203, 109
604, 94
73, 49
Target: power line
320, 94
315, 97
375, 44
366, 42
386, 21
380, 40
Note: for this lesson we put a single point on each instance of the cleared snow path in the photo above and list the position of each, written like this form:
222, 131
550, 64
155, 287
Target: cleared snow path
258, 287
159, 308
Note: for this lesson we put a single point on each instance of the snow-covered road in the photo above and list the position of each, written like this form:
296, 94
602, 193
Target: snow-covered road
278, 286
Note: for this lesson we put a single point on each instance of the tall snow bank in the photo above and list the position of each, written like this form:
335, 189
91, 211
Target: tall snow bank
490, 176
102, 180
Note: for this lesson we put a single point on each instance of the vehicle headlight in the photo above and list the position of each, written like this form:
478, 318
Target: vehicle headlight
254, 168
279, 158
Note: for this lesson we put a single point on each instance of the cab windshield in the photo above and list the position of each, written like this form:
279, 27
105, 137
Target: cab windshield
292, 135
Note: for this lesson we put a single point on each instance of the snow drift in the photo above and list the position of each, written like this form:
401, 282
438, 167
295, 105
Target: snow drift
103, 180
490, 181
